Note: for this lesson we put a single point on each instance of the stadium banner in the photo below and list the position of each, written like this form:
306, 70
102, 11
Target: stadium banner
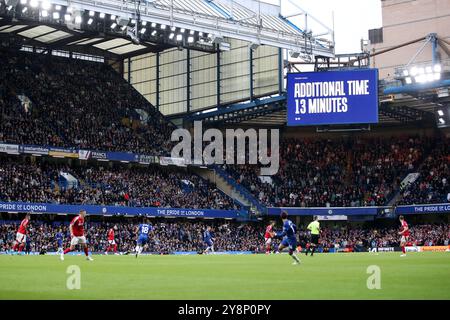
31, 149
423, 209
434, 248
98, 155
332, 218
120, 156
166, 161
215, 252
63, 152
84, 154
145, 159
389, 249
353, 211
118, 210
9, 148
332, 97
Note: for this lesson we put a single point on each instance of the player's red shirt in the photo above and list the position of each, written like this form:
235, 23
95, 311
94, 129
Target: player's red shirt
111, 234
23, 226
404, 227
269, 231
78, 226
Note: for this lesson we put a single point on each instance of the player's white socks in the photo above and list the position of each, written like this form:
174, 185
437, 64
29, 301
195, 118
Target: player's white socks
294, 256
209, 249
139, 249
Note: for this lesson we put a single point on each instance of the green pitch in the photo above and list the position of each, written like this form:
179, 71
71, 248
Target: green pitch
324, 276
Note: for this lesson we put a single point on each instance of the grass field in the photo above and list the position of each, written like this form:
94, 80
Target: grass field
324, 276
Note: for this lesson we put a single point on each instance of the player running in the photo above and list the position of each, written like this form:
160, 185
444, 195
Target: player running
289, 235
374, 242
314, 228
76, 228
143, 231
268, 235
21, 235
209, 240
404, 232
59, 241
112, 245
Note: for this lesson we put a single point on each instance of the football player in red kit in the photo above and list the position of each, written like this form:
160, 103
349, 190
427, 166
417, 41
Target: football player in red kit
77, 234
269, 234
112, 245
21, 235
404, 232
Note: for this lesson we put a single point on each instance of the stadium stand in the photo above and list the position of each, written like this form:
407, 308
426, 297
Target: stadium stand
99, 110
167, 236
359, 238
336, 173
154, 186
76, 103
432, 185
178, 235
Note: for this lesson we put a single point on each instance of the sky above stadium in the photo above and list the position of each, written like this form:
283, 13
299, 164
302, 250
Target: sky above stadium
352, 18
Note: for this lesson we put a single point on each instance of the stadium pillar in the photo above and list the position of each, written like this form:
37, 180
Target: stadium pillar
157, 80
280, 70
120, 65
218, 77
434, 44
251, 72
129, 70
188, 80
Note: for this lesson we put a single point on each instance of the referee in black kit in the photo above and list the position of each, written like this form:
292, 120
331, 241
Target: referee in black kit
314, 228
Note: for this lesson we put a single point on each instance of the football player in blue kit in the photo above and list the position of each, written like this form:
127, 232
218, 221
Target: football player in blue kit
289, 237
143, 231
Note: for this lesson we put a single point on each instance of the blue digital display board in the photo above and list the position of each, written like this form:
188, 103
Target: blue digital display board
332, 97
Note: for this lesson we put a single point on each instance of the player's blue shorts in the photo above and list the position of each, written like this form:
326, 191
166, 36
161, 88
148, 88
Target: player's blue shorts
60, 243
209, 243
289, 242
143, 239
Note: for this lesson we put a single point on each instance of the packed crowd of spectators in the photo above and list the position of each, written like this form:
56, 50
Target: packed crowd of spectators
421, 235
432, 184
165, 238
170, 236
76, 103
336, 173
119, 185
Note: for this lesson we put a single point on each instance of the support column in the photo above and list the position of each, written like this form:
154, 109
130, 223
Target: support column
280, 70
251, 72
218, 77
129, 70
188, 80
434, 44
157, 80
120, 65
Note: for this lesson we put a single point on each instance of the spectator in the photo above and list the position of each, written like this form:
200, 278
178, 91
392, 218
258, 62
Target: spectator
119, 185
76, 103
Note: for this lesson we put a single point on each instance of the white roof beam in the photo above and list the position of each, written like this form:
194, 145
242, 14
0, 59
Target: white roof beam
204, 23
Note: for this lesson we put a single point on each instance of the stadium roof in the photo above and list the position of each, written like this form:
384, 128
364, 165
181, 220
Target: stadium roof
211, 20
52, 37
